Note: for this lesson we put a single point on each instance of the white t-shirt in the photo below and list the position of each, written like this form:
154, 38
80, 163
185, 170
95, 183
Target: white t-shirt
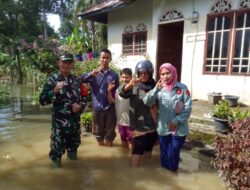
122, 110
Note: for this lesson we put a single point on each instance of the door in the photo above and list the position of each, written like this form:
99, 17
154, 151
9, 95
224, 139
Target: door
169, 46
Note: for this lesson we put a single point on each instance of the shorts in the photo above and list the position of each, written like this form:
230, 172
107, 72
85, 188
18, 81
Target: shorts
144, 143
125, 133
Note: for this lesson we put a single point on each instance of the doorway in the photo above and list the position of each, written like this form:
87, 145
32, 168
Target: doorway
169, 48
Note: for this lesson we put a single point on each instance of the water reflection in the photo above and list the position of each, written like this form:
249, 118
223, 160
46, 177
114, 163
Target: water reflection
24, 162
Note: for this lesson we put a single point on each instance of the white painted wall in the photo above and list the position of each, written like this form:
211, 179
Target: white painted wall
149, 13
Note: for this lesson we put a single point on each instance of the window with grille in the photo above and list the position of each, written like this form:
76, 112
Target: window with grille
228, 43
134, 43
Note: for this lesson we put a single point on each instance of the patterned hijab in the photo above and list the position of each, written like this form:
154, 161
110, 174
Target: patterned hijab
173, 79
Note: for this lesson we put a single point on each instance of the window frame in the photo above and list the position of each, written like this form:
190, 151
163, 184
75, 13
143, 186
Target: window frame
231, 42
134, 34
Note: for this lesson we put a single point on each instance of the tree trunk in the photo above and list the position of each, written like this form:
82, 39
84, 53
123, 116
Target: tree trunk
93, 35
19, 70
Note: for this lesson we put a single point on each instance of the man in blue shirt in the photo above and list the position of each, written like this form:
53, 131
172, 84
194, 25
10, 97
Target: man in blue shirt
104, 117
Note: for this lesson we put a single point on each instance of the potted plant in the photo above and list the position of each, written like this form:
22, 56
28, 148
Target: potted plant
86, 121
221, 114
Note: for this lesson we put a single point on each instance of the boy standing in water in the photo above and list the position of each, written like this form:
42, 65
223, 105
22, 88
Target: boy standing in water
63, 91
122, 109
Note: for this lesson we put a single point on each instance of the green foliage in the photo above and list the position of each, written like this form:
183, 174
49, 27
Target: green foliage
86, 121
88, 66
232, 155
4, 58
78, 41
4, 96
224, 111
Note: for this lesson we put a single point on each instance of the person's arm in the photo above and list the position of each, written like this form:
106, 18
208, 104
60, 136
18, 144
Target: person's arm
88, 77
111, 99
150, 98
183, 116
50, 92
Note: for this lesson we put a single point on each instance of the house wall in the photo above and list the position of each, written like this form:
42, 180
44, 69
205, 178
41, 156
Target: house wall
149, 13
138, 12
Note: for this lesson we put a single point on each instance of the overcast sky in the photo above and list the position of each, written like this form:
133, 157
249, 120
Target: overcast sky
54, 21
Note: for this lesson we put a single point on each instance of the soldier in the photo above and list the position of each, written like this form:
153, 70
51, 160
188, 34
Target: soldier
63, 91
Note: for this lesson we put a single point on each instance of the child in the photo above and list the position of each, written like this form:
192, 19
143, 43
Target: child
122, 109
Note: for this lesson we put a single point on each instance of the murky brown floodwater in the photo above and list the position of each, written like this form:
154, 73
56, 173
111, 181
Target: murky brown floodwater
24, 162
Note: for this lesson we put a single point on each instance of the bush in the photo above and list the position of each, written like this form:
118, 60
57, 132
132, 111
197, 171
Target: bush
86, 121
233, 155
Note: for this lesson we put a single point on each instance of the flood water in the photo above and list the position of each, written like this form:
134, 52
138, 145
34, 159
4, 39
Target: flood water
24, 162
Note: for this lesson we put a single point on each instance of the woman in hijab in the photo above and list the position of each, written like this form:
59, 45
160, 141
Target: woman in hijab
175, 106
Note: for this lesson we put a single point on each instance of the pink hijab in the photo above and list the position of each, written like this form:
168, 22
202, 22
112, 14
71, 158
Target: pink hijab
172, 70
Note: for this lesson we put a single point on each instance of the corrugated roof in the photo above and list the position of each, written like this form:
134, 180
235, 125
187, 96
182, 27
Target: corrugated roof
100, 11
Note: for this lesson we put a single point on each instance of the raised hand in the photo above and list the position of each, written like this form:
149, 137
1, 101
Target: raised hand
159, 84
58, 87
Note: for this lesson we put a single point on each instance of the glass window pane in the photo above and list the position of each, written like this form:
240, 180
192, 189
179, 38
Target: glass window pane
219, 23
248, 20
240, 21
225, 44
245, 62
236, 62
223, 62
217, 45
215, 69
237, 47
208, 69
208, 62
222, 69
127, 39
210, 45
227, 23
243, 70
246, 43
235, 69
211, 24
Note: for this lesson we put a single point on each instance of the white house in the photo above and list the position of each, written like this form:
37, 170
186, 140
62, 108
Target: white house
207, 40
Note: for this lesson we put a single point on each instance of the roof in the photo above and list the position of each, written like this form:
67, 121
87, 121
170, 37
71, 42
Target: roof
99, 12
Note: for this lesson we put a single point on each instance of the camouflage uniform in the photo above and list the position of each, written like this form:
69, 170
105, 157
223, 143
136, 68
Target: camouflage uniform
65, 130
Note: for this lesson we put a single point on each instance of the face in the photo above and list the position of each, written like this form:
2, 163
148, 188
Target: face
65, 67
166, 75
104, 60
144, 76
125, 78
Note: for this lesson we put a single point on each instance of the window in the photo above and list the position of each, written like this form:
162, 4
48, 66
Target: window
134, 43
228, 43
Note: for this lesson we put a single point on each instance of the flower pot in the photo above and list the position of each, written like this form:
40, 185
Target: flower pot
214, 98
232, 100
221, 125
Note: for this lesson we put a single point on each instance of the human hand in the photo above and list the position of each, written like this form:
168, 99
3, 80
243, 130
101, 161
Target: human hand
159, 84
111, 85
96, 71
171, 126
58, 87
76, 107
